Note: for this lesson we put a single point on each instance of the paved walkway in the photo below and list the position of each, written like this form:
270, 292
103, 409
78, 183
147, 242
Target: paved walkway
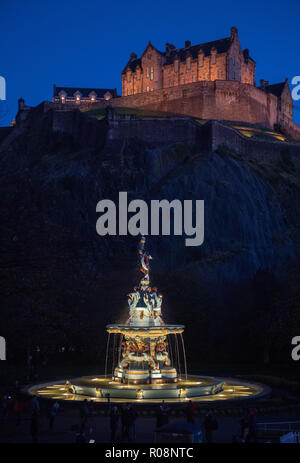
67, 418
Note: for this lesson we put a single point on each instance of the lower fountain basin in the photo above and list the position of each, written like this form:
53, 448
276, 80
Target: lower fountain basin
197, 388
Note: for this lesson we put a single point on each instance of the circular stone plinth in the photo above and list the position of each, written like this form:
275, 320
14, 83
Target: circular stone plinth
196, 388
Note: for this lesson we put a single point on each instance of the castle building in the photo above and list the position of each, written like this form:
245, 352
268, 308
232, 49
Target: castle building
77, 96
221, 59
209, 81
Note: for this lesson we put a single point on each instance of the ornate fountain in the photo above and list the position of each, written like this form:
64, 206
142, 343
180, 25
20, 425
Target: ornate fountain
145, 361
145, 352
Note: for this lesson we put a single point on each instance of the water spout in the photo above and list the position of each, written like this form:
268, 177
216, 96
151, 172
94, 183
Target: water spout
184, 355
106, 356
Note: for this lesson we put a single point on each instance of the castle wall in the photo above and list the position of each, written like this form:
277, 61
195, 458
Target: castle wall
219, 100
210, 137
209, 100
155, 130
261, 150
4, 132
290, 128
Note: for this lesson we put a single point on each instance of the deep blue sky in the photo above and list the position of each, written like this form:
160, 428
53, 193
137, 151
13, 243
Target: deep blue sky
87, 43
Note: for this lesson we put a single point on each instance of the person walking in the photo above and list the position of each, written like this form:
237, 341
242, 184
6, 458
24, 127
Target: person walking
132, 416
124, 422
251, 437
210, 425
161, 415
4, 407
18, 409
35, 419
190, 412
52, 415
84, 415
244, 429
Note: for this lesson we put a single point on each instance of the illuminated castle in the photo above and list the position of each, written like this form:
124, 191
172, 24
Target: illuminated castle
212, 80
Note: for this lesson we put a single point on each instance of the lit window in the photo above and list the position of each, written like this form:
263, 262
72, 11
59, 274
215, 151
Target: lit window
152, 74
107, 96
148, 89
148, 72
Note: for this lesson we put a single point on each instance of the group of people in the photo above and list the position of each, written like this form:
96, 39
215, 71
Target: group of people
122, 419
123, 423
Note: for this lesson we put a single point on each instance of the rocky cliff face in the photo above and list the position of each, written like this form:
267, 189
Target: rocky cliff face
61, 282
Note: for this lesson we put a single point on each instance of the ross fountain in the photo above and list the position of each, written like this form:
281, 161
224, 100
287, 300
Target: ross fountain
146, 365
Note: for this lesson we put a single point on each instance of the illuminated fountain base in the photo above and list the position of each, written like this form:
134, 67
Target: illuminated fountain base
196, 388
146, 363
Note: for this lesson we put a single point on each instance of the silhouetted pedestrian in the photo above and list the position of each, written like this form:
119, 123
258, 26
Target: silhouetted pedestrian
162, 415
210, 425
251, 437
18, 409
84, 415
52, 415
190, 411
4, 407
35, 419
131, 419
114, 422
244, 429
124, 421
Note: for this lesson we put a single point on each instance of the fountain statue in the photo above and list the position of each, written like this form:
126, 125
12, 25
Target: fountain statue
144, 346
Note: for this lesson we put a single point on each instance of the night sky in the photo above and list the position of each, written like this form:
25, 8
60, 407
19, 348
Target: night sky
87, 44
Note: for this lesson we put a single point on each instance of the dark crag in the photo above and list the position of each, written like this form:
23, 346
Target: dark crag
60, 283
